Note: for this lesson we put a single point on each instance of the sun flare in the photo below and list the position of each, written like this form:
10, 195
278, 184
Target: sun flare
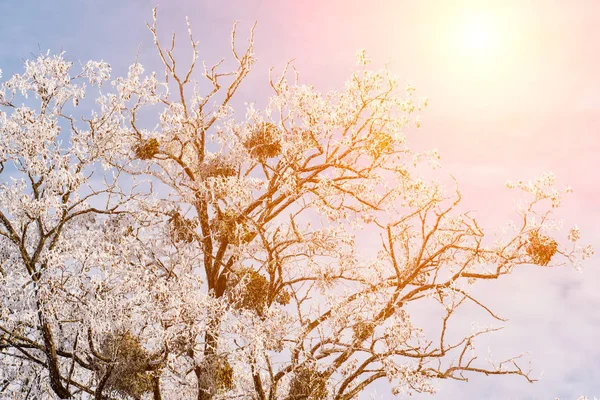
477, 35
481, 44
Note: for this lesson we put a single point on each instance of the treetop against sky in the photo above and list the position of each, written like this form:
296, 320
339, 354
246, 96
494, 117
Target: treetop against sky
224, 229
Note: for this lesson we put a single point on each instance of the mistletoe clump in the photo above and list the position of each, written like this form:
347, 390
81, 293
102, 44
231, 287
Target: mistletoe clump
308, 383
146, 149
382, 143
541, 248
182, 229
129, 375
223, 374
363, 329
217, 167
228, 227
217, 375
263, 142
253, 294
252, 291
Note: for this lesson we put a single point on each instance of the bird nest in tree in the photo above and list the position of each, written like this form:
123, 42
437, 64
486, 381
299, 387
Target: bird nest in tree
263, 142
146, 149
254, 292
129, 376
308, 384
217, 167
182, 229
541, 248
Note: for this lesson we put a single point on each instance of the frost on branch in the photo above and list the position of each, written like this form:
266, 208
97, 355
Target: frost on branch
181, 228
280, 255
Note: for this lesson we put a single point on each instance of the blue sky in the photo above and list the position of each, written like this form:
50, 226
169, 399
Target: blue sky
533, 106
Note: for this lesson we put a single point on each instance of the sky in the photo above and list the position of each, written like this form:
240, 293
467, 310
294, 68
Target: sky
514, 91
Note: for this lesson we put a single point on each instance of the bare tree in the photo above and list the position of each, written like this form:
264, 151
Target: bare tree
274, 257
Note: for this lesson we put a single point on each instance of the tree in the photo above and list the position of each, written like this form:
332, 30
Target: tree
210, 257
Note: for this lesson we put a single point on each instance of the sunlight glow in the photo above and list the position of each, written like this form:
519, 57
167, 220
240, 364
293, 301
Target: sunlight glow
478, 35
481, 44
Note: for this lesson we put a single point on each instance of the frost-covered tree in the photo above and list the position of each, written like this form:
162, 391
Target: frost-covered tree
200, 255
